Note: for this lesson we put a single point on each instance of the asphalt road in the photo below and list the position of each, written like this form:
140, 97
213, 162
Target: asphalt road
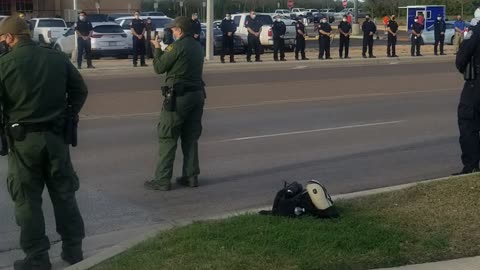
381, 125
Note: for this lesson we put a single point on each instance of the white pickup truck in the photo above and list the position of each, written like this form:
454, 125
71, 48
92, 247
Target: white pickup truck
47, 30
266, 36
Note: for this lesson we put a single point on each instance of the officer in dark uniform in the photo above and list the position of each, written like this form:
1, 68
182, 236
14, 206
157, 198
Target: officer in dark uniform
392, 29
36, 86
84, 30
345, 29
417, 30
440, 28
137, 27
228, 28
300, 38
254, 28
150, 30
279, 29
325, 32
468, 58
197, 27
369, 29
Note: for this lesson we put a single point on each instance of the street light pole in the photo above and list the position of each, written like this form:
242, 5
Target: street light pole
209, 41
74, 53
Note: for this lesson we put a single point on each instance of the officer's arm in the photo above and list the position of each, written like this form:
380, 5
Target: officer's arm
76, 88
90, 33
466, 51
164, 60
76, 31
341, 32
374, 28
133, 30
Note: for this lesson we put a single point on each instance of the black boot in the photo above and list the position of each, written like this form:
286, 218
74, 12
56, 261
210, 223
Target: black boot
38, 263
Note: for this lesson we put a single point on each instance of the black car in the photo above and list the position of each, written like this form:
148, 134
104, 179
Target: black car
96, 18
238, 46
318, 16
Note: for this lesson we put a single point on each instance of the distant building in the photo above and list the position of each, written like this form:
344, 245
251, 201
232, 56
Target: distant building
64, 8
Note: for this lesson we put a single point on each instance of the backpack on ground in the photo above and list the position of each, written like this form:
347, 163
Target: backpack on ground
293, 201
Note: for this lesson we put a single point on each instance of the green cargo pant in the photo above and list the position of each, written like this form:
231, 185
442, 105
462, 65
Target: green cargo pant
43, 159
185, 123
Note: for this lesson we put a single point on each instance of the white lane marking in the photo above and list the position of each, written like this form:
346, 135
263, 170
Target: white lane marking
272, 102
313, 131
300, 67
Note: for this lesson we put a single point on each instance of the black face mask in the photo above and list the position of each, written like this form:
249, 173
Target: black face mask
4, 48
367, 19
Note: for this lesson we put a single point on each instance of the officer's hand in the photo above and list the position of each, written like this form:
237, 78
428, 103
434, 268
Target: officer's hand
442, 33
371, 33
156, 44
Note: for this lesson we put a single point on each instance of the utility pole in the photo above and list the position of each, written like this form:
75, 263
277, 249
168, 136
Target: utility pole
209, 41
75, 51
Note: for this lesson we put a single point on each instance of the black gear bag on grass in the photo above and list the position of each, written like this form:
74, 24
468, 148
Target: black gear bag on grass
293, 201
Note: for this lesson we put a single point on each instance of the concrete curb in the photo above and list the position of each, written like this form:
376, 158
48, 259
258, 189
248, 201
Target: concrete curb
124, 246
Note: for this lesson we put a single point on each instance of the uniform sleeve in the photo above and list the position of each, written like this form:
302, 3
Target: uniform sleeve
466, 51
76, 88
234, 28
90, 27
364, 27
164, 60
223, 26
374, 28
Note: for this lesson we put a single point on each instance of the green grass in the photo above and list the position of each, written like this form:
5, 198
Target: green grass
430, 222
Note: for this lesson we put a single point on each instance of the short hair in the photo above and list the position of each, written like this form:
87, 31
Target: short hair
82, 12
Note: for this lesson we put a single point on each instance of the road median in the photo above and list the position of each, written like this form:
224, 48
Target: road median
410, 224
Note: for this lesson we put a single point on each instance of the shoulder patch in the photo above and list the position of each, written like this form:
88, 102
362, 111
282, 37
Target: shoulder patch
169, 48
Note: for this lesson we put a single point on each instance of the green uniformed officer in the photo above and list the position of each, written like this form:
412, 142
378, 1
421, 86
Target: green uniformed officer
35, 83
181, 115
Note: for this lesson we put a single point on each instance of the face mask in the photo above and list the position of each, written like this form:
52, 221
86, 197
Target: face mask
393, 18
367, 19
416, 20
82, 18
277, 19
195, 17
229, 18
254, 16
324, 21
137, 16
439, 18
345, 20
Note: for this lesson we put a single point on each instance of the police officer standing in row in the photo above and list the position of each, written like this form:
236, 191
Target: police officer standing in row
345, 30
369, 29
137, 27
325, 32
300, 39
279, 29
197, 27
84, 30
440, 27
150, 33
392, 29
417, 30
468, 59
181, 115
228, 28
37, 85
254, 28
